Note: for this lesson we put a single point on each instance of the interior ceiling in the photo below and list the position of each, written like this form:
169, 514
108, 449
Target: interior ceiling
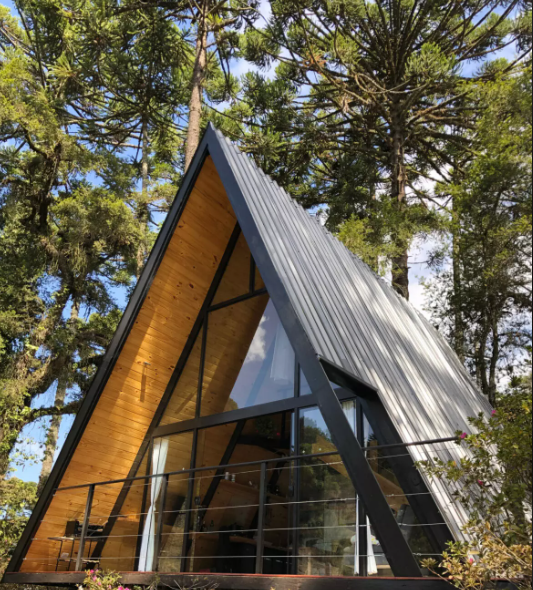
111, 441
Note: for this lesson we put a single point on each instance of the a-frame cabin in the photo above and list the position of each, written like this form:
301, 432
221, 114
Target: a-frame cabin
259, 414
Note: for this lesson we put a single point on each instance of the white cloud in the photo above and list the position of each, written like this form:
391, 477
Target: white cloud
257, 350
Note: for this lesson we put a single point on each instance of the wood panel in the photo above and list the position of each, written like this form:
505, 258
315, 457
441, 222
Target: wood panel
112, 438
236, 280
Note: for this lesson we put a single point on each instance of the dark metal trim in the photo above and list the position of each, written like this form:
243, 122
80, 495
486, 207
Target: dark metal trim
363, 530
247, 464
188, 505
243, 582
111, 357
252, 274
261, 521
160, 521
176, 375
393, 542
422, 502
346, 379
239, 299
236, 416
85, 528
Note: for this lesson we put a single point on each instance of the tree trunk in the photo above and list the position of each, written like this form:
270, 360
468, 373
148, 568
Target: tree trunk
493, 385
23, 381
459, 327
61, 393
143, 209
400, 262
198, 80
53, 434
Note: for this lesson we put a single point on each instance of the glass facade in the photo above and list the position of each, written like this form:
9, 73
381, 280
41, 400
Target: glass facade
274, 481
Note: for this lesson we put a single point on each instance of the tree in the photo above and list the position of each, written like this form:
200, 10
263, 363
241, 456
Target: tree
137, 61
16, 502
65, 242
495, 485
206, 40
482, 301
385, 78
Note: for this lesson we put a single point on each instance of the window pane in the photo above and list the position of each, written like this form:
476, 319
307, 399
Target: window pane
398, 501
328, 512
249, 359
236, 280
169, 454
182, 404
305, 388
226, 501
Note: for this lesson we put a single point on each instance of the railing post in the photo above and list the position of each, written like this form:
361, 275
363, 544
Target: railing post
160, 521
85, 528
363, 532
261, 521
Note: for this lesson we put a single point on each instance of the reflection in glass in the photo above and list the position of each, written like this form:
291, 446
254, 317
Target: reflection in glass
398, 501
226, 501
305, 388
328, 521
249, 359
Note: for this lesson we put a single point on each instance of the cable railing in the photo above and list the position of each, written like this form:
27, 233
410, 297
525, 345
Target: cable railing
284, 514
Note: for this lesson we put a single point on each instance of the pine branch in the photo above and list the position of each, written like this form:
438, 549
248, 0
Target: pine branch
68, 409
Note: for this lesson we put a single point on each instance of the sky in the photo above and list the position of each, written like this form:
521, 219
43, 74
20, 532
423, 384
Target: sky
34, 435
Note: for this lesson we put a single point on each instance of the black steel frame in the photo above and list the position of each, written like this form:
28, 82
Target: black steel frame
394, 544
243, 582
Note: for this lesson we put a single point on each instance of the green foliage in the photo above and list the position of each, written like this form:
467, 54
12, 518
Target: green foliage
494, 483
16, 502
70, 226
483, 303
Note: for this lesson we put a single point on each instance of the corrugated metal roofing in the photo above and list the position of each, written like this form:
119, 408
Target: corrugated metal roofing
356, 320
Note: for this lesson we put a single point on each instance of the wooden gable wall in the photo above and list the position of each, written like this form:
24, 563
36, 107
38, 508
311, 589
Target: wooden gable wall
122, 417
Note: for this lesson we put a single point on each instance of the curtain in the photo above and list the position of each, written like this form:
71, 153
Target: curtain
159, 460
369, 551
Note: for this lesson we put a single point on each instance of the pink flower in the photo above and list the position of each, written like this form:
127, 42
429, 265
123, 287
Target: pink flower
471, 560
95, 578
494, 412
480, 483
464, 436
99, 583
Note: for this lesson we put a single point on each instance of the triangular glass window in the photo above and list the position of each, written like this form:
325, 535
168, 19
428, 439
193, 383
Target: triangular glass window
249, 360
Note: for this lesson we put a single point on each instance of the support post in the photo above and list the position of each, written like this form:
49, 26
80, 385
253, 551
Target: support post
85, 528
363, 531
399, 555
261, 521
160, 521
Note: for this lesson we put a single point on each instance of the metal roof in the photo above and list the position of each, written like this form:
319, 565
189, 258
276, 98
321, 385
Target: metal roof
356, 320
